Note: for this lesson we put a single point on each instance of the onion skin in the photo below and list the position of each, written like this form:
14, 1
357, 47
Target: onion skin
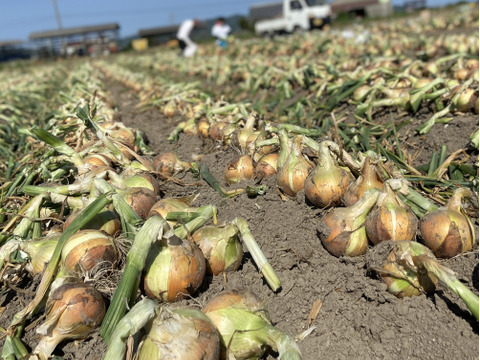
73, 311
106, 220
367, 180
266, 166
175, 270
390, 219
240, 170
143, 179
342, 230
181, 333
327, 183
140, 200
85, 249
221, 247
168, 164
448, 231
292, 175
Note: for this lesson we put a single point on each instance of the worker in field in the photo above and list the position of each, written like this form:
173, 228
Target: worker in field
187, 46
221, 30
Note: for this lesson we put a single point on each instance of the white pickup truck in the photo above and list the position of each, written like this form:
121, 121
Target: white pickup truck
293, 16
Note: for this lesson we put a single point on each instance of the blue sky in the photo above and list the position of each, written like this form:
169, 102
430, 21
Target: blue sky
19, 18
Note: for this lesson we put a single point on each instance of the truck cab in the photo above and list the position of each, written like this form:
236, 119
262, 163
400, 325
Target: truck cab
296, 15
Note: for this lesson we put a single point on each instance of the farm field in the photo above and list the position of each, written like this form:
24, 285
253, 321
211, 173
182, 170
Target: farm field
395, 111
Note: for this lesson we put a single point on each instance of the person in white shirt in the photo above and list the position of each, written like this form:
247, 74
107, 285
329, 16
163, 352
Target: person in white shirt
186, 44
220, 31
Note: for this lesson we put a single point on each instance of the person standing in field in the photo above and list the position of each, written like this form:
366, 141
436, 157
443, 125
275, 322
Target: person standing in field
221, 30
187, 46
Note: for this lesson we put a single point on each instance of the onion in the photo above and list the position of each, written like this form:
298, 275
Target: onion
175, 269
266, 166
215, 131
144, 180
245, 328
106, 220
85, 249
220, 246
140, 200
244, 138
170, 109
164, 206
291, 176
368, 179
448, 231
168, 164
391, 219
180, 334
327, 183
342, 230
124, 135
240, 170
93, 161
361, 92
466, 100
203, 127
73, 311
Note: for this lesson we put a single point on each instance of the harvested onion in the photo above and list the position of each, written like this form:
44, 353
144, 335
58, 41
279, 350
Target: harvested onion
73, 311
220, 246
342, 230
448, 231
174, 270
179, 334
368, 179
327, 183
240, 170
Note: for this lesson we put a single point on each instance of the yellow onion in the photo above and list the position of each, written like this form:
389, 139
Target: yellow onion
361, 92
169, 164
245, 328
291, 176
327, 183
140, 200
342, 230
87, 248
239, 170
390, 219
106, 220
448, 231
164, 206
244, 138
266, 166
169, 109
368, 179
180, 334
39, 251
175, 269
203, 127
215, 131
466, 100
398, 271
124, 135
220, 246
144, 180
73, 311
93, 161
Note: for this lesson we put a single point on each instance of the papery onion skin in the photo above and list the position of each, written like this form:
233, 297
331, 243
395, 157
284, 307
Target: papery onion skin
367, 180
220, 246
342, 230
169, 164
179, 334
266, 166
106, 220
240, 170
326, 184
390, 219
87, 248
175, 270
73, 311
140, 200
448, 231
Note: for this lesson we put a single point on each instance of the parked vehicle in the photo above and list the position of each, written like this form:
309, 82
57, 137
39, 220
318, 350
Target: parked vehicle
294, 16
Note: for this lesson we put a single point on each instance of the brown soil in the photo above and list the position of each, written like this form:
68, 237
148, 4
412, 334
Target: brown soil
358, 318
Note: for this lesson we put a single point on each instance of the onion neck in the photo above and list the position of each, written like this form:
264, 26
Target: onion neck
358, 212
455, 202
